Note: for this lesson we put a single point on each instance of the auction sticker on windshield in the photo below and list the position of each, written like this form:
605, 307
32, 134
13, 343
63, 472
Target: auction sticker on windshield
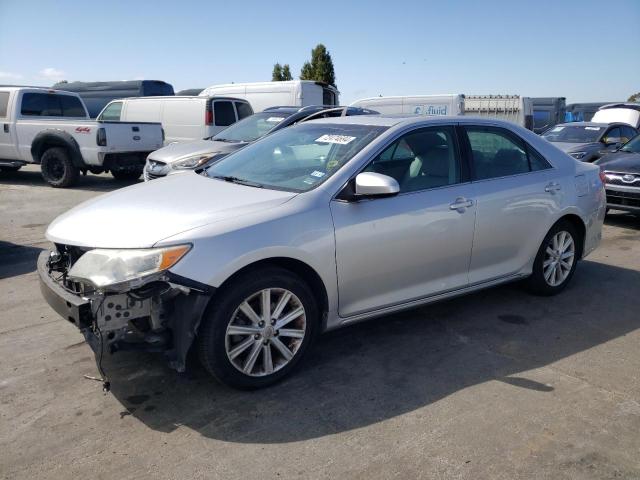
339, 139
275, 119
592, 128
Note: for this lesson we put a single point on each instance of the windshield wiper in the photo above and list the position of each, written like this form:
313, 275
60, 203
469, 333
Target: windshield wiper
226, 140
240, 181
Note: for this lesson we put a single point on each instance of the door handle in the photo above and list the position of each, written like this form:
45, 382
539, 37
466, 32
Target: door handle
460, 204
552, 187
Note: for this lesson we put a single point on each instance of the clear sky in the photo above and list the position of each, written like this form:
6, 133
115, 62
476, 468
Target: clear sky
581, 49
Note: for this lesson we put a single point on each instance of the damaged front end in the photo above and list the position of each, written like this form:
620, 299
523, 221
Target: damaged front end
157, 311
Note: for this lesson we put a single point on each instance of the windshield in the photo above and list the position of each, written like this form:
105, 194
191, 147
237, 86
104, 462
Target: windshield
574, 134
297, 158
633, 145
251, 128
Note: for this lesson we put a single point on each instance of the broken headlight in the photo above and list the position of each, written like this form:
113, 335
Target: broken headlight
105, 267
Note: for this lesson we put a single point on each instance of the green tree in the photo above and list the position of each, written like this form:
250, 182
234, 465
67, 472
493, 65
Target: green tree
320, 68
276, 75
634, 98
286, 72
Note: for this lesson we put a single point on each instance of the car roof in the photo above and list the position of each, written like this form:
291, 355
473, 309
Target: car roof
588, 124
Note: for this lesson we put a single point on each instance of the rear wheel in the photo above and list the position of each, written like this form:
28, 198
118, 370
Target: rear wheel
556, 260
259, 329
127, 173
57, 168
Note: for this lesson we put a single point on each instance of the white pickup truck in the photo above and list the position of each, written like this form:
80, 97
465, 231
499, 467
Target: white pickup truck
52, 128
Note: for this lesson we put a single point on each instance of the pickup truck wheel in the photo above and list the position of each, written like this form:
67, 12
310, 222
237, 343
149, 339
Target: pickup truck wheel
258, 328
57, 168
132, 173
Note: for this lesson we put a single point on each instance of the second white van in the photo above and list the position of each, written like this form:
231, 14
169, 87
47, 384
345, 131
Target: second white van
291, 93
183, 119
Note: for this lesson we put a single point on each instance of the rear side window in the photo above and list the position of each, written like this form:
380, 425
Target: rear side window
627, 132
71, 106
4, 103
51, 105
244, 110
112, 112
496, 153
223, 114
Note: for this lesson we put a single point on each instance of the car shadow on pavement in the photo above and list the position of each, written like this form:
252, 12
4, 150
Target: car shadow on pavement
623, 220
89, 182
377, 370
17, 259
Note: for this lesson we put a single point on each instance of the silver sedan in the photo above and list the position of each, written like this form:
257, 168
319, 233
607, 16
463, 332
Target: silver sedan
315, 227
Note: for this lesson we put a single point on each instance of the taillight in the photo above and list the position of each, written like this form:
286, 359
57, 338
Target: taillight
208, 115
101, 137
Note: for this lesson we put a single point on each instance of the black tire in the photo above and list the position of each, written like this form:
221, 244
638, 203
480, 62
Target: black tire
8, 169
57, 168
128, 174
212, 335
537, 283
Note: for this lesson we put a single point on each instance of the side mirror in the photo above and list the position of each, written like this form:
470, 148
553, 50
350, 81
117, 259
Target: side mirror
371, 184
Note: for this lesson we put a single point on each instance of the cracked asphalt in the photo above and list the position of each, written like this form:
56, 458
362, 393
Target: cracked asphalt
499, 384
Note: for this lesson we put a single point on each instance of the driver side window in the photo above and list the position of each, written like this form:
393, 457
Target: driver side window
612, 134
420, 160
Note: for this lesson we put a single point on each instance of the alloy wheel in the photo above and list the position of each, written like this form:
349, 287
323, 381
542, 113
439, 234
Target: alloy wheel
265, 332
559, 258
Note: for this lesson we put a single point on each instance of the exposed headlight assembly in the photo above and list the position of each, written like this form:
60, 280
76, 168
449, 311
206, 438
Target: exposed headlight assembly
578, 155
107, 267
191, 162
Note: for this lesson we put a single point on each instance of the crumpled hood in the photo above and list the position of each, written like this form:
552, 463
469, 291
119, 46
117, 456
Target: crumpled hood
141, 215
577, 147
621, 162
178, 151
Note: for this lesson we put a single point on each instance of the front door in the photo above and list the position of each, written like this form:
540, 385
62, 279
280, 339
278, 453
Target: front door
394, 250
8, 150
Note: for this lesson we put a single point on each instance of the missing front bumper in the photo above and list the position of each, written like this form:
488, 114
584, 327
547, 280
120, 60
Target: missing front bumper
160, 317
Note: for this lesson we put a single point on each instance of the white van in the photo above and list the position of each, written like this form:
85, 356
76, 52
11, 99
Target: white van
294, 93
511, 108
183, 119
628, 113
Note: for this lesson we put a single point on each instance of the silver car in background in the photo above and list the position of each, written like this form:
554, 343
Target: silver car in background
318, 226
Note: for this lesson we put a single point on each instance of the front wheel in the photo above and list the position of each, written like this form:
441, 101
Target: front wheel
259, 329
556, 260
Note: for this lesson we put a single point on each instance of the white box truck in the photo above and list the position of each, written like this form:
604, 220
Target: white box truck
294, 93
511, 108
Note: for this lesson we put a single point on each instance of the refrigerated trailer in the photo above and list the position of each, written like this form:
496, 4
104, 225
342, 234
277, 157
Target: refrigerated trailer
511, 108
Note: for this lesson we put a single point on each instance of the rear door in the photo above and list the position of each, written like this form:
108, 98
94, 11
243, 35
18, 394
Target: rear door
8, 140
132, 136
515, 196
